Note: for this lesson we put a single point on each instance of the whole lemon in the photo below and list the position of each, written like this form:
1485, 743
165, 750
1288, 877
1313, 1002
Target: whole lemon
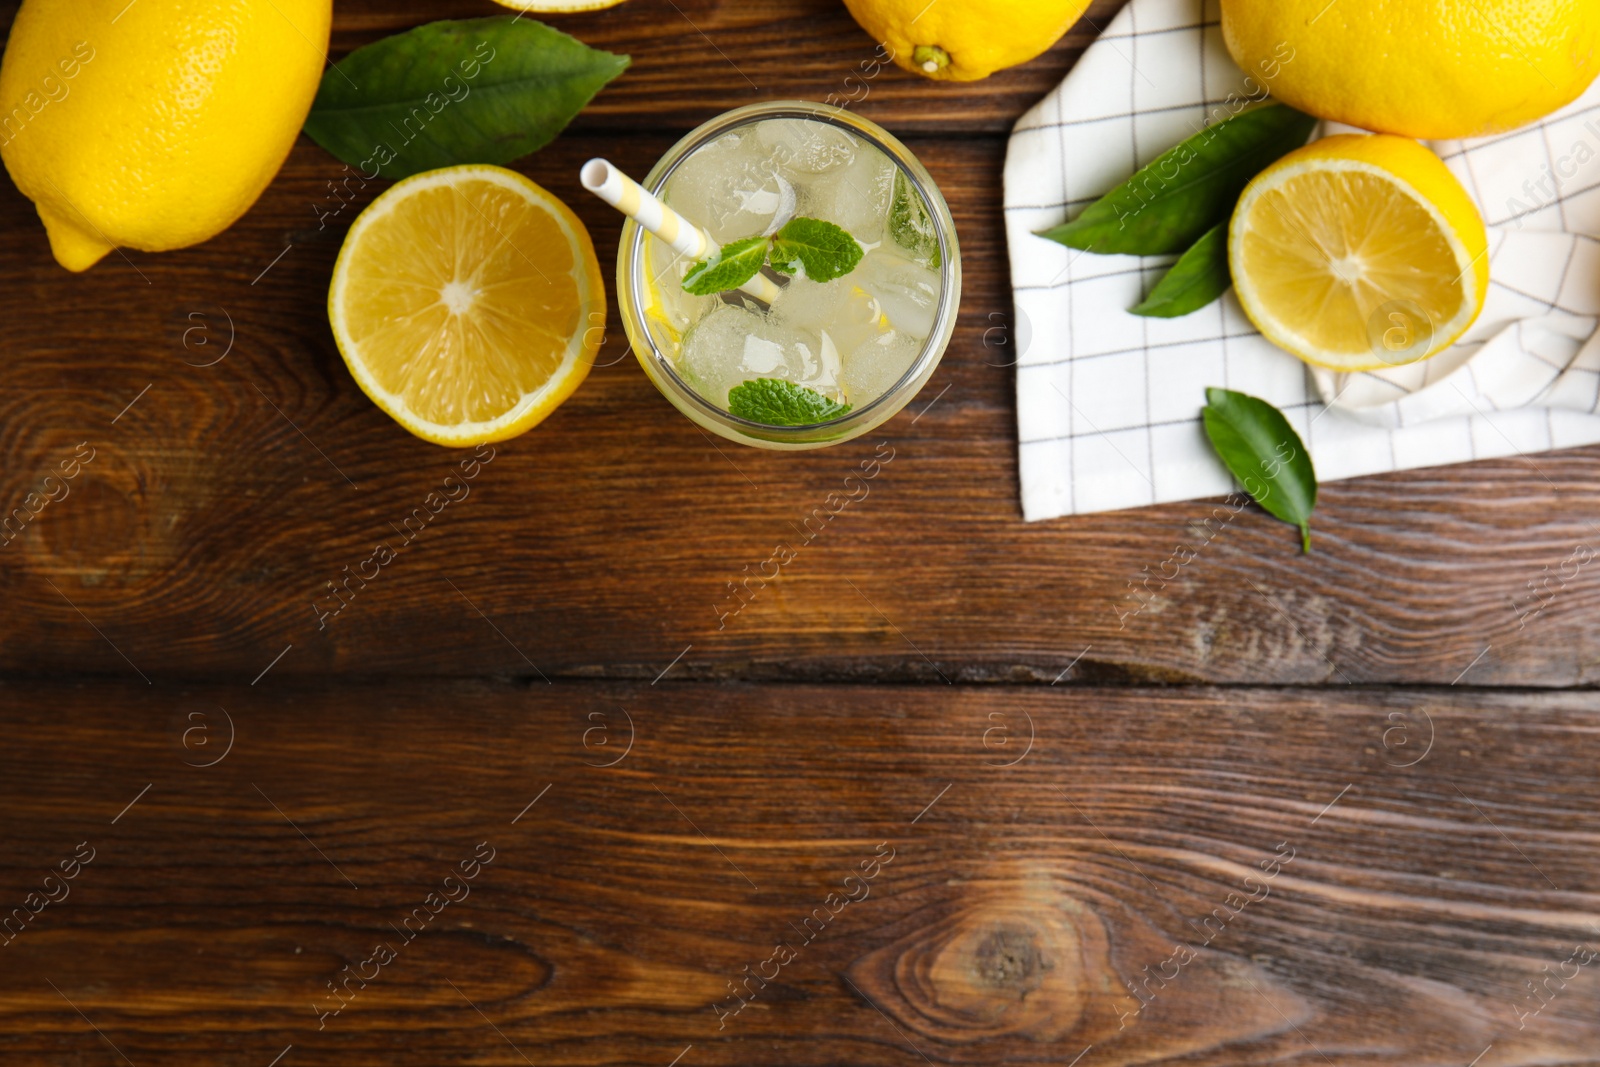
964, 40
1430, 69
153, 124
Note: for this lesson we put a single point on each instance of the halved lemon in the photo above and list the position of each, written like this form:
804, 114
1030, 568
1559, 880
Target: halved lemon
467, 303
1359, 252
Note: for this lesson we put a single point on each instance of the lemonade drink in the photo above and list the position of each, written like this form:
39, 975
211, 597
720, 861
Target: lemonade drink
861, 256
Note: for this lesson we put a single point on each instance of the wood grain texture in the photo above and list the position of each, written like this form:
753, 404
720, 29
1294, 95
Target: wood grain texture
243, 480
574, 849
1359, 876
219, 506
693, 59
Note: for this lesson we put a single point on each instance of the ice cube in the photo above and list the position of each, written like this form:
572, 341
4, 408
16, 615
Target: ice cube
762, 356
873, 369
806, 147
732, 345
713, 356
808, 305
848, 314
907, 292
856, 197
874, 353
832, 366
731, 189
805, 357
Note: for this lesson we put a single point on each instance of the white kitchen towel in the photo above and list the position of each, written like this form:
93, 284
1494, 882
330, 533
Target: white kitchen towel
1108, 403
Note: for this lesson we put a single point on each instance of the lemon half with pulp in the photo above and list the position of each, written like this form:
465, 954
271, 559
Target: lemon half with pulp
467, 303
1358, 253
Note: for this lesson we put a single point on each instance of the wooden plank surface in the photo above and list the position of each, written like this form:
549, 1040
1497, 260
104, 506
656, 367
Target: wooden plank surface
218, 507
695, 58
1349, 876
1086, 870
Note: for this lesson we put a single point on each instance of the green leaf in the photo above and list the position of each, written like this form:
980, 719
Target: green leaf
1185, 191
781, 403
1261, 449
825, 250
910, 224
1200, 276
487, 90
730, 268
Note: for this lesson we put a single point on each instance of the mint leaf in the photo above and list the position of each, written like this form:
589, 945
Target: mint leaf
910, 224
825, 251
486, 90
1200, 276
776, 402
1169, 204
1261, 449
728, 269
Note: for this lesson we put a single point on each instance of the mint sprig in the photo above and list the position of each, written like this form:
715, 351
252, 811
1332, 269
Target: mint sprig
728, 269
777, 402
824, 250
910, 225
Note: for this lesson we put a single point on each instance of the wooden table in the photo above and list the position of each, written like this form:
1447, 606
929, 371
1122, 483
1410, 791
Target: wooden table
938, 795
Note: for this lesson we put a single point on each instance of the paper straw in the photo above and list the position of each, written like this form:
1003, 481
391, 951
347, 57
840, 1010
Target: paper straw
633, 200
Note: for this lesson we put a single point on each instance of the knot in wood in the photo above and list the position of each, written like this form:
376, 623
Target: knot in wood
1009, 963
1010, 958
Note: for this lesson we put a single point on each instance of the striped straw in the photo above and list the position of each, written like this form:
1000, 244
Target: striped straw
633, 200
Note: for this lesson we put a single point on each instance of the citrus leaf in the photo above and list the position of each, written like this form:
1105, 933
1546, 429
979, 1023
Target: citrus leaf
1261, 449
730, 268
1200, 276
1183, 192
486, 90
825, 250
910, 224
776, 402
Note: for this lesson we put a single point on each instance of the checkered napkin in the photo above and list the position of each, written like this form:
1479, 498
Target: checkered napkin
1108, 403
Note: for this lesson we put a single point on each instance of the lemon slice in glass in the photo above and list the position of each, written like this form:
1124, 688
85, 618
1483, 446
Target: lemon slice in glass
1359, 252
467, 303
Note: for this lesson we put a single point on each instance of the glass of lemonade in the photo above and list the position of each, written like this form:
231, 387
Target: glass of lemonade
855, 347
